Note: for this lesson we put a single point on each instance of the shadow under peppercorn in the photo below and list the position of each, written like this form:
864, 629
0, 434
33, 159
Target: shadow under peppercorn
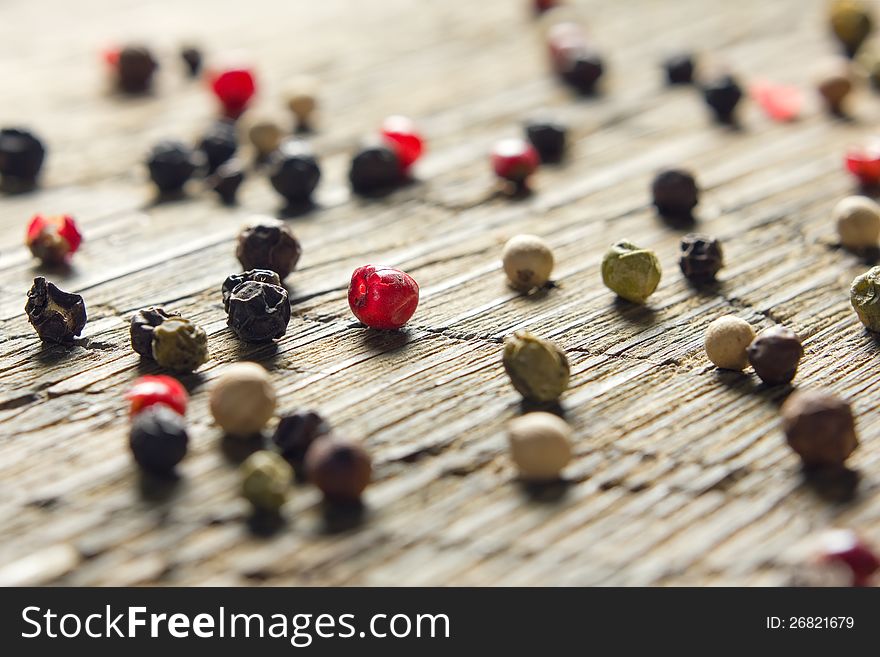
836, 485
529, 406
52, 354
298, 209
265, 524
156, 487
545, 492
341, 517
236, 449
265, 353
384, 341
634, 313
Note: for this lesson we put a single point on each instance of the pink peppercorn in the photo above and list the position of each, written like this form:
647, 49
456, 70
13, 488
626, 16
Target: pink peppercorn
843, 546
515, 160
234, 87
151, 390
780, 102
404, 139
382, 297
53, 239
864, 163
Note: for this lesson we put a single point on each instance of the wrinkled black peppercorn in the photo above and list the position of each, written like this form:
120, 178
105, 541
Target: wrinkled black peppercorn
135, 69
548, 138
722, 95
57, 316
268, 244
679, 69
233, 281
675, 193
374, 170
258, 312
226, 181
158, 438
775, 354
21, 158
141, 330
192, 57
219, 144
171, 165
296, 432
293, 171
701, 258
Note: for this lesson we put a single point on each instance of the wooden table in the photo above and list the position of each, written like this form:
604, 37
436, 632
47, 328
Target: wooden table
681, 473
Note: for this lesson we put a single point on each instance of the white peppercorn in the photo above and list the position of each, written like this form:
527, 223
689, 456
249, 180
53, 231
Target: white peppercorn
540, 445
727, 340
243, 399
528, 262
858, 222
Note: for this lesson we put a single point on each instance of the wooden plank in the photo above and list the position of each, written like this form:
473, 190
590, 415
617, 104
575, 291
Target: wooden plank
681, 475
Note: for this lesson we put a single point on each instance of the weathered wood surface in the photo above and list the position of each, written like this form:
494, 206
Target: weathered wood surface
681, 475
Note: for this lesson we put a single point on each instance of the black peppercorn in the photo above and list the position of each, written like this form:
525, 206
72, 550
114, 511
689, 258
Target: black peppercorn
722, 95
293, 171
701, 258
581, 68
21, 158
158, 438
296, 432
171, 165
135, 69
57, 316
233, 281
675, 193
820, 427
268, 244
192, 57
258, 312
374, 170
142, 324
548, 138
226, 181
775, 353
679, 69
219, 144
341, 469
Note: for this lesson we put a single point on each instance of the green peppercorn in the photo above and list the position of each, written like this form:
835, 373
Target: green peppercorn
265, 480
537, 368
631, 272
864, 294
180, 345
851, 24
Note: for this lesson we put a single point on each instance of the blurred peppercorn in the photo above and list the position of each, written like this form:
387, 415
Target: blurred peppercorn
219, 144
296, 432
135, 66
293, 171
679, 69
819, 426
340, 468
548, 138
192, 57
851, 23
675, 193
158, 438
226, 181
171, 165
21, 158
374, 170
722, 95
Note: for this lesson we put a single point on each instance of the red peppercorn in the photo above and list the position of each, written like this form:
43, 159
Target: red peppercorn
515, 160
53, 239
382, 297
780, 102
151, 390
845, 547
234, 87
864, 163
403, 138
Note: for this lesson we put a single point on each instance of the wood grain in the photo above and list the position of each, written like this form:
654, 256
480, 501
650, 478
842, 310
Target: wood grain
681, 474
